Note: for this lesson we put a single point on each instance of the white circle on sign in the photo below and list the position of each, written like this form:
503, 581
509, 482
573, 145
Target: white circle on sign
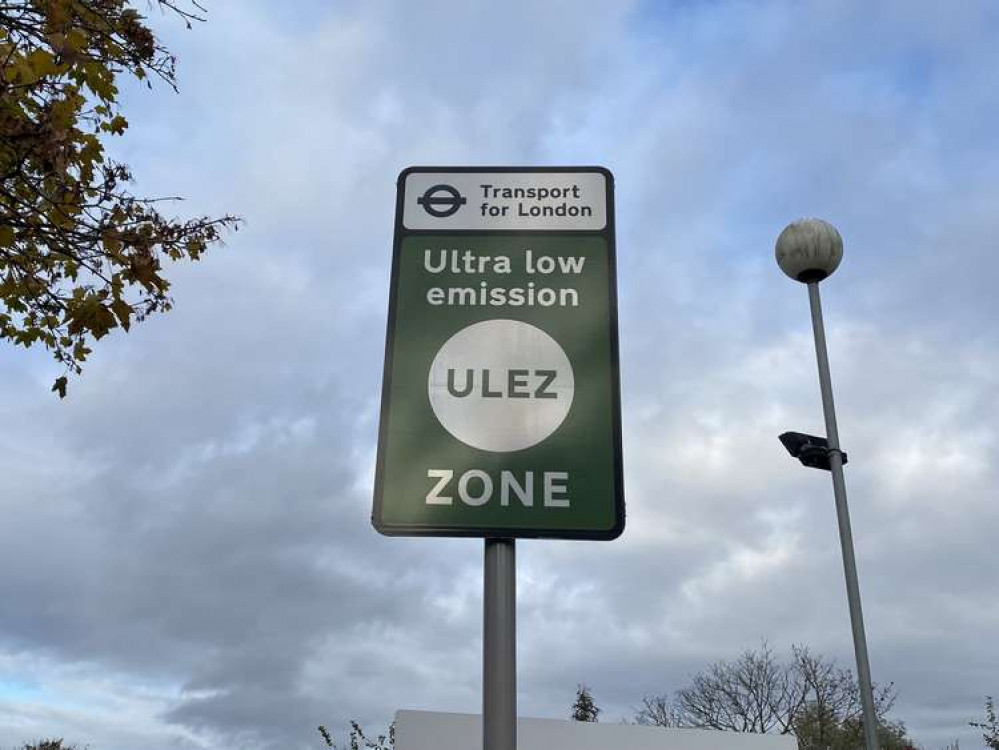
501, 385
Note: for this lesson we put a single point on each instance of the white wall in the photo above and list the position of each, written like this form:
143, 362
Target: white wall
426, 730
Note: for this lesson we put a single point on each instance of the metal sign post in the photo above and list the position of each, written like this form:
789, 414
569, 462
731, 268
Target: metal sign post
499, 646
501, 413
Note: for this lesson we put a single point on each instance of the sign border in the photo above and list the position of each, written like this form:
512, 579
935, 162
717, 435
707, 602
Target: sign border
400, 231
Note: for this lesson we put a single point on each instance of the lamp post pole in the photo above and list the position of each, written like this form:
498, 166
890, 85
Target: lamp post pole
809, 251
843, 517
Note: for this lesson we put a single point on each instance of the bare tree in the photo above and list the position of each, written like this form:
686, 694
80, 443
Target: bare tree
754, 693
658, 711
828, 702
806, 695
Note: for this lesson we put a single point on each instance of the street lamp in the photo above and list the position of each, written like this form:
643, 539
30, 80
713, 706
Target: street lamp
809, 251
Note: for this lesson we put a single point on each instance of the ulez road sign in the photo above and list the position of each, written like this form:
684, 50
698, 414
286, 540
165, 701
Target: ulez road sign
501, 408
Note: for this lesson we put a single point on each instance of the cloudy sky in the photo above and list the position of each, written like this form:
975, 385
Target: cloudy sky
186, 557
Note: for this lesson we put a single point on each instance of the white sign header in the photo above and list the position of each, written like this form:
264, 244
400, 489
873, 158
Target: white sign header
499, 200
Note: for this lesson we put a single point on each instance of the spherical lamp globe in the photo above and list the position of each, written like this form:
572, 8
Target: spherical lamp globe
809, 250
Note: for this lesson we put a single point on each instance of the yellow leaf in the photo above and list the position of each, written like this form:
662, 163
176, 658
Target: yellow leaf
76, 39
123, 312
41, 62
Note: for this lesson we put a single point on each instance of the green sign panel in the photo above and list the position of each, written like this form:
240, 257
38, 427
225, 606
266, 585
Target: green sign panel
501, 397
